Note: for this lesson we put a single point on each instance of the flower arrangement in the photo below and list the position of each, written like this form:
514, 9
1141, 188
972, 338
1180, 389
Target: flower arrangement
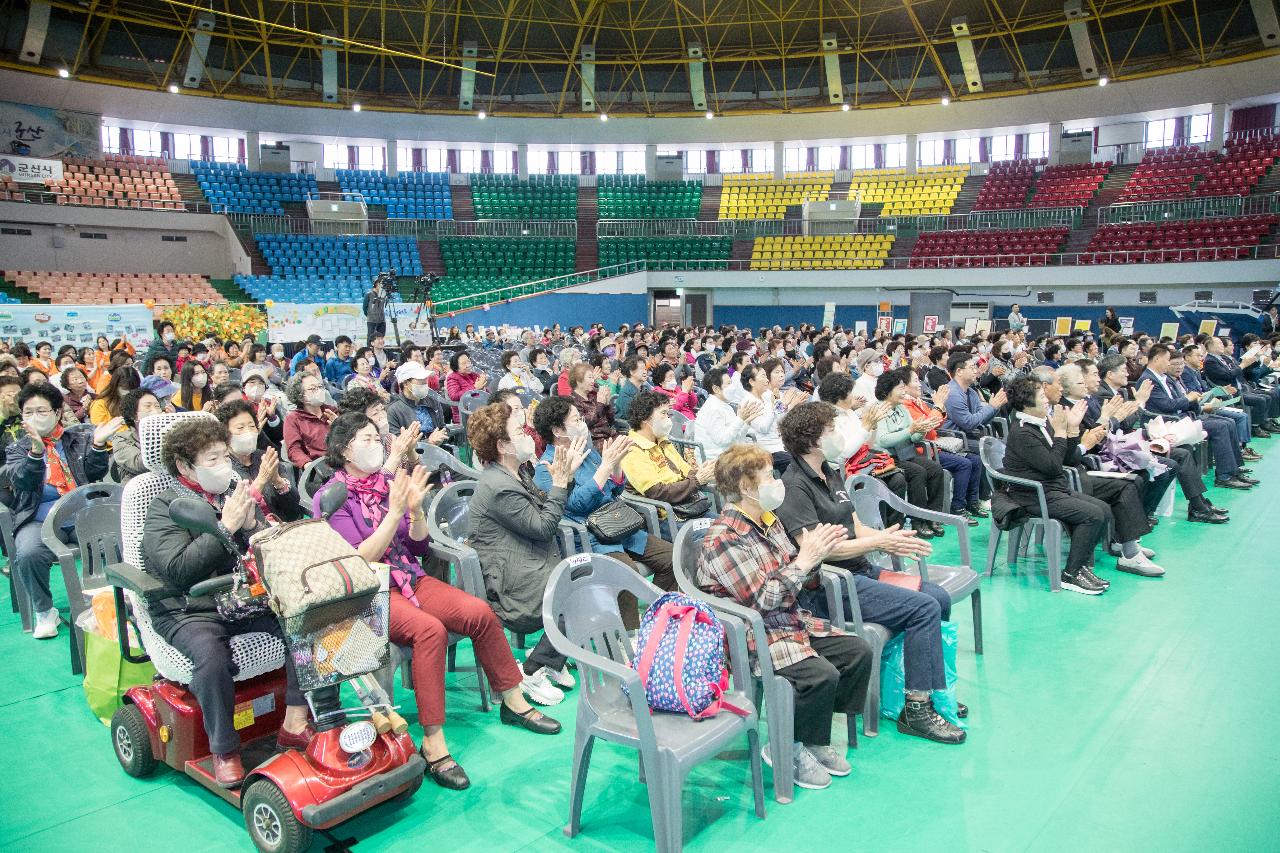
224, 321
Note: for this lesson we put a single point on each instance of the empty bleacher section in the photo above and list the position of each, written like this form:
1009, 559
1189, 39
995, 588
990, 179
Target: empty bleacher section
835, 252
1166, 173
9, 189
1244, 162
233, 188
310, 268
633, 197
1007, 185
1014, 247
1226, 238
410, 195
87, 288
931, 190
475, 265
540, 197
118, 180
1069, 185
703, 253
752, 196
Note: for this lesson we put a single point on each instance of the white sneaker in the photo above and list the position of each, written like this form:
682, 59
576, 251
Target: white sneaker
539, 689
1138, 564
985, 506
809, 772
46, 627
830, 758
561, 678
1115, 550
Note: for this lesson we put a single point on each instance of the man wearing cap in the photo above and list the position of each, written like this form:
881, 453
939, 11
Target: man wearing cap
414, 404
311, 351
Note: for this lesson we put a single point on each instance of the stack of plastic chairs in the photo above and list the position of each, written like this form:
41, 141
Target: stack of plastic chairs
233, 188
834, 252
752, 196
702, 253
633, 197
540, 197
409, 195
83, 288
311, 268
118, 180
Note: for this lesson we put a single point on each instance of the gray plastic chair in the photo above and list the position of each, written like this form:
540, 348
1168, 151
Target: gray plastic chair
433, 457
870, 494
1048, 529
471, 402
770, 688
19, 601
316, 473
582, 622
57, 532
528, 397
98, 532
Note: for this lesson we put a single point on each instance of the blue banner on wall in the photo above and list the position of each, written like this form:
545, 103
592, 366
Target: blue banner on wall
76, 324
46, 132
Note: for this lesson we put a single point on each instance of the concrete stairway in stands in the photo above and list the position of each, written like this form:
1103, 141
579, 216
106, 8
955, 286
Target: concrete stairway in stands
464, 209
968, 194
741, 251
1270, 182
257, 263
903, 244
189, 189
710, 202
587, 251
1108, 193
432, 261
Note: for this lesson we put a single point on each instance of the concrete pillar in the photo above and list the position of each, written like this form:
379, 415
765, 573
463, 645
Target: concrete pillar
252, 150
1217, 126
913, 153
651, 162
391, 157
779, 160
1055, 143
522, 161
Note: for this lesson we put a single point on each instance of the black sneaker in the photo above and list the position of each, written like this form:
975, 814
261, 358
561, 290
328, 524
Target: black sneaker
923, 529
1105, 584
920, 719
969, 518
977, 511
1082, 581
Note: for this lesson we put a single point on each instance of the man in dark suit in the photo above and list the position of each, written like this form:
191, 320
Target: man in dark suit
1193, 380
1114, 371
1221, 368
1169, 400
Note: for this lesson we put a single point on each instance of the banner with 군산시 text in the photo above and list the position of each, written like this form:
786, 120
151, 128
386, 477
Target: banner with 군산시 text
290, 322
30, 170
79, 325
31, 131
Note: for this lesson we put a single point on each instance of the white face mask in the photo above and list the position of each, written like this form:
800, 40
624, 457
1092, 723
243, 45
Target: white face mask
984, 348
579, 430
382, 424
670, 385
874, 368
420, 391
216, 479
245, 442
199, 380
314, 398
522, 446
368, 457
44, 424
661, 426
771, 494
170, 337
255, 391
835, 448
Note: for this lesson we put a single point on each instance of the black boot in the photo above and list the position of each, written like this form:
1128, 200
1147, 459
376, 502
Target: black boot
920, 719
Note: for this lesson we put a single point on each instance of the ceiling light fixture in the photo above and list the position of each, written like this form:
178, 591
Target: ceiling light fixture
946, 102
482, 115
355, 108
64, 73
845, 107
710, 115
604, 116
1102, 81
173, 88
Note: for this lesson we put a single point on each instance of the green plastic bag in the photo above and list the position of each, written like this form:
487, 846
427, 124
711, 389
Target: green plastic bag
893, 680
107, 675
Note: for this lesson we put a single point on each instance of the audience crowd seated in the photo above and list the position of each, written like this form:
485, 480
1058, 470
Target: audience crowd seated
755, 431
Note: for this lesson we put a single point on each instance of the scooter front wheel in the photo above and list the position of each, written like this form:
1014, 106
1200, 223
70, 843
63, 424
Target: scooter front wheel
132, 741
271, 822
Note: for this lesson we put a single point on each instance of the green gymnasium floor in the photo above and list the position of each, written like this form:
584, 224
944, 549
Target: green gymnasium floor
1135, 721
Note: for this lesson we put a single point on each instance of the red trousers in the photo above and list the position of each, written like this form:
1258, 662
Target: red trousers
441, 609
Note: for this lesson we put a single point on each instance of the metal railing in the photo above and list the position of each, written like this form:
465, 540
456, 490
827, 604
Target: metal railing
46, 197
420, 229
1204, 207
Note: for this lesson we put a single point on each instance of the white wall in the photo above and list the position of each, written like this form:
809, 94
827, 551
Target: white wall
1222, 84
133, 241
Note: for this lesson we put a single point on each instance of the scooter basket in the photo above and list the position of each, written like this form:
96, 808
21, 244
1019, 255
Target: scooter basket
349, 639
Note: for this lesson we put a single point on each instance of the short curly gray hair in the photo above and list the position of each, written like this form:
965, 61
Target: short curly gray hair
293, 390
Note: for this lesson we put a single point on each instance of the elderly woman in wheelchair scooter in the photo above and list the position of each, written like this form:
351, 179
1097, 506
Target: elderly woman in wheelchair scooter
196, 452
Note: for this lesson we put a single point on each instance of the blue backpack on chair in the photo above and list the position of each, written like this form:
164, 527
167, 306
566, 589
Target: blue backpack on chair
680, 657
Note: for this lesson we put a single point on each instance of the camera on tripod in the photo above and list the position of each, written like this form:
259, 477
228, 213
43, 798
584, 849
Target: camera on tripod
422, 286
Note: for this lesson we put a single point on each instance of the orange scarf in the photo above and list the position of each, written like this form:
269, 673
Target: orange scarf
59, 474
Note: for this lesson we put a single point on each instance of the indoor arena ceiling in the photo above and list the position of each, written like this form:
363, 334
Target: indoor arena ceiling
538, 57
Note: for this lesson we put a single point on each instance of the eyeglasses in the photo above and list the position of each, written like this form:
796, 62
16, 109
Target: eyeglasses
35, 413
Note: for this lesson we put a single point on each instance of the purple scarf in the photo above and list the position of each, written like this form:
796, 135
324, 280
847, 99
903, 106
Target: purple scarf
373, 492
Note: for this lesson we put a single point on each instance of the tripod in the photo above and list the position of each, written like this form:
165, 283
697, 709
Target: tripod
387, 282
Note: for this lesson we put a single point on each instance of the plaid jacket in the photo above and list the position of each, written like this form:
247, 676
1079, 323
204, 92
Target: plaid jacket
755, 567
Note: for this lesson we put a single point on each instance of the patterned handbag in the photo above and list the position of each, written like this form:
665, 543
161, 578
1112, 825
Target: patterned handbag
681, 658
307, 564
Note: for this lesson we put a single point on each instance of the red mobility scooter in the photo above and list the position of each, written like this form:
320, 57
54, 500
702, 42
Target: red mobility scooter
347, 768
